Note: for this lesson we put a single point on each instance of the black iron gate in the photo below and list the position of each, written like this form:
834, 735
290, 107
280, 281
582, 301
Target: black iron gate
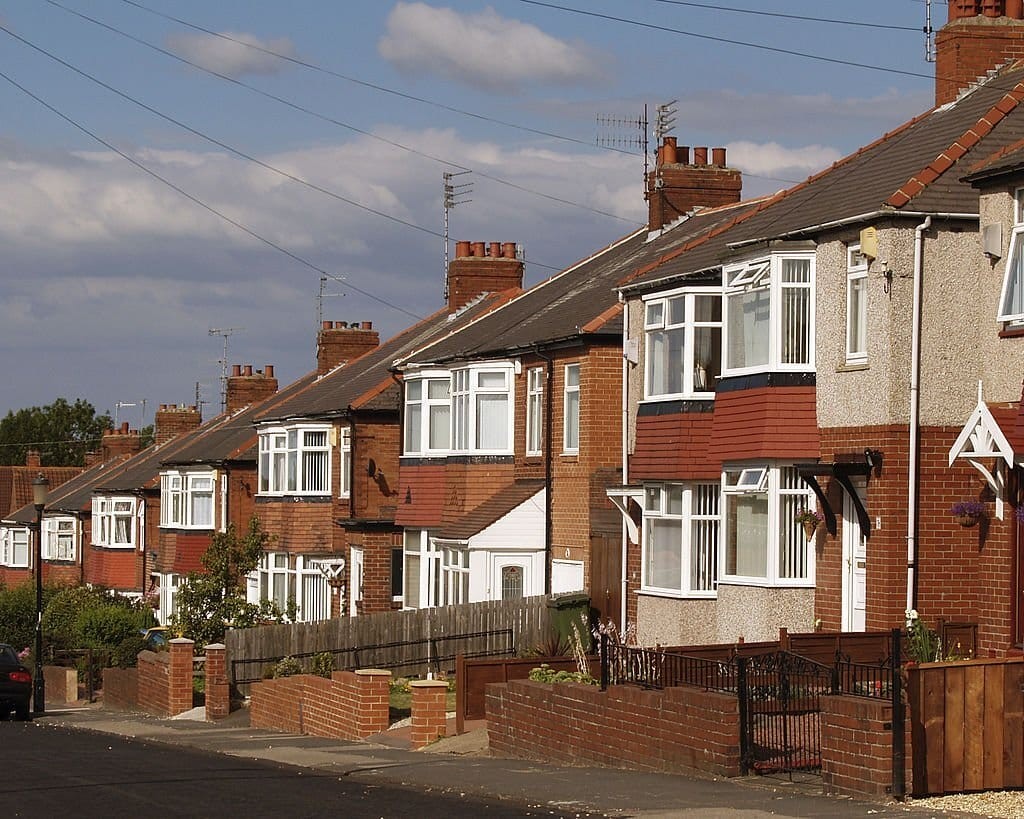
780, 714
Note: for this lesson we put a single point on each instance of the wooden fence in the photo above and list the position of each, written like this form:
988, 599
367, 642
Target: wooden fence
410, 642
967, 725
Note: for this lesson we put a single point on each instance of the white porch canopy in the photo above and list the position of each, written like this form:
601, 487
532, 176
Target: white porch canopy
982, 440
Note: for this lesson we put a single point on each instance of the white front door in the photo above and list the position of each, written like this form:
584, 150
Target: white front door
855, 566
355, 581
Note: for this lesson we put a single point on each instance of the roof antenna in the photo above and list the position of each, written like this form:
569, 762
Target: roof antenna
453, 195
225, 332
612, 133
929, 33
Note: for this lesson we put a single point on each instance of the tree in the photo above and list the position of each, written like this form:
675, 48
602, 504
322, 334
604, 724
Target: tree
212, 601
62, 433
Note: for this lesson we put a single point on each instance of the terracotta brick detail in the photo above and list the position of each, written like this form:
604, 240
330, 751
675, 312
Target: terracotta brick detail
676, 187
171, 421
420, 494
117, 442
856, 746
165, 679
429, 698
245, 387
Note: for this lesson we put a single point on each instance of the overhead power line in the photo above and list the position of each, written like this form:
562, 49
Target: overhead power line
801, 17
331, 120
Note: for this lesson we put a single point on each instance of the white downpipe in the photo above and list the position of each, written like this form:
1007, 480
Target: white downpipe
915, 410
625, 460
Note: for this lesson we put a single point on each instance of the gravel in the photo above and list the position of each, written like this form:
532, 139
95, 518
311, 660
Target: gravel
1008, 804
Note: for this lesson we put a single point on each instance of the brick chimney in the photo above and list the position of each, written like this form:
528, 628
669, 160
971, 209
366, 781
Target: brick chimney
676, 186
980, 35
172, 421
246, 387
339, 342
121, 441
479, 267
33, 458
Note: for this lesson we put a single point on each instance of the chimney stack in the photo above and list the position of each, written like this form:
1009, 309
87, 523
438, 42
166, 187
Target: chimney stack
340, 342
245, 387
980, 35
172, 421
122, 441
675, 187
33, 458
482, 267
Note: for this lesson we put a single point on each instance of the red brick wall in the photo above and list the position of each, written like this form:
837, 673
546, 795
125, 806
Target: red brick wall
856, 746
245, 387
121, 688
966, 49
165, 679
470, 276
377, 546
171, 421
429, 711
112, 568
375, 496
420, 494
765, 422
627, 727
350, 705
338, 343
297, 526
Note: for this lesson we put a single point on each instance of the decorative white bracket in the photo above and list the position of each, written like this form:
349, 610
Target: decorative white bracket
982, 439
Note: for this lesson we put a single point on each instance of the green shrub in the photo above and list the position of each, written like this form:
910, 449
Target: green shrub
18, 613
546, 674
287, 667
323, 664
109, 626
126, 653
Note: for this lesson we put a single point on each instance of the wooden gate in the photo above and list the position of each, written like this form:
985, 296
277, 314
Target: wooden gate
606, 577
780, 712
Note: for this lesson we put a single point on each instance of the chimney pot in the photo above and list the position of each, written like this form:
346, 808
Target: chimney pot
340, 325
367, 325
670, 154
508, 250
327, 325
718, 157
700, 156
236, 369
495, 250
683, 154
247, 370
124, 427
478, 249
992, 8
1014, 9
461, 249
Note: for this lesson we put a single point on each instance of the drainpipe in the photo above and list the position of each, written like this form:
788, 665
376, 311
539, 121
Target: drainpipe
548, 436
625, 459
915, 411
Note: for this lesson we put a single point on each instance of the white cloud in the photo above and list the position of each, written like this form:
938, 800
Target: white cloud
774, 160
238, 55
484, 50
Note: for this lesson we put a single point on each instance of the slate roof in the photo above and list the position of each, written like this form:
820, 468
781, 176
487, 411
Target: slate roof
916, 169
492, 510
72, 496
367, 383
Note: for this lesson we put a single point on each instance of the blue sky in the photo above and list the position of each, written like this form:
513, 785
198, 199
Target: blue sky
110, 279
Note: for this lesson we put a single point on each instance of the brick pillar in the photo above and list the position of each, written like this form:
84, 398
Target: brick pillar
373, 688
428, 711
218, 696
179, 698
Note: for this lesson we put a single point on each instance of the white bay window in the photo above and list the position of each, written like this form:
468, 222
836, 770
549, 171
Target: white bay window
680, 539
481, 401
60, 537
295, 461
683, 335
14, 547
1011, 297
534, 410
428, 414
571, 409
113, 522
186, 499
856, 306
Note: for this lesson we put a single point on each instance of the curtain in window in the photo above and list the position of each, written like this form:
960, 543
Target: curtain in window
492, 421
749, 316
122, 530
748, 536
440, 431
664, 553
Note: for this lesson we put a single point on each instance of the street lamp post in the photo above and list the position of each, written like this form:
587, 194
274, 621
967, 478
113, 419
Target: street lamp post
40, 488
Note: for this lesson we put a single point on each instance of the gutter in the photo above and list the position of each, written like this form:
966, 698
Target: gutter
915, 416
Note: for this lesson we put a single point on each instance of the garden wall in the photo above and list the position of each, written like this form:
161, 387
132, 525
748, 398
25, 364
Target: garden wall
121, 688
625, 726
856, 746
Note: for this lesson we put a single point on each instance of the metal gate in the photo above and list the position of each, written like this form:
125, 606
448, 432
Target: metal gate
779, 700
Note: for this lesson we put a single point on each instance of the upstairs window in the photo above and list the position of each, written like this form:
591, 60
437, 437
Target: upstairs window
59, 541
295, 461
856, 306
14, 547
683, 344
186, 499
769, 321
1011, 299
113, 522
571, 414
534, 410
481, 401
345, 468
428, 415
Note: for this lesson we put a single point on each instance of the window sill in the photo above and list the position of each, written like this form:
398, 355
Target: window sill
853, 367
1011, 331
762, 583
119, 548
674, 595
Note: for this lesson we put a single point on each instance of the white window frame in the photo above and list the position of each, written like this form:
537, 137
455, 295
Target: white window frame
571, 406
61, 540
535, 377
274, 567
106, 511
1011, 294
345, 462
14, 543
787, 554
180, 492
660, 326
856, 306
414, 546
288, 457
468, 391
689, 514
427, 412
763, 277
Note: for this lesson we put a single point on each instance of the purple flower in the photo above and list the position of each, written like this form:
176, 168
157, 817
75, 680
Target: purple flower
967, 509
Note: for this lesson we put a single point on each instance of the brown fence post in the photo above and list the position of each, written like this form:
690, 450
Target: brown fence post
460, 693
218, 696
428, 711
179, 695
899, 734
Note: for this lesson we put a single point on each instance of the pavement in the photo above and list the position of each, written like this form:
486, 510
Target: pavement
462, 765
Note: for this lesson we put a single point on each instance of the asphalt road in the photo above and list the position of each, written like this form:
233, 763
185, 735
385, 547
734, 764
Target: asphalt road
49, 771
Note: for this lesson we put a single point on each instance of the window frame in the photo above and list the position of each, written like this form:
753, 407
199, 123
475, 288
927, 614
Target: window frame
1012, 288
535, 378
11, 543
856, 291
688, 329
345, 462
784, 536
425, 408
467, 393
105, 515
179, 490
56, 528
691, 516
754, 277
284, 456
571, 408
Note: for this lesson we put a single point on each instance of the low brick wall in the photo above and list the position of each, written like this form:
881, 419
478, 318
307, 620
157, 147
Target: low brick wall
349, 705
622, 727
61, 684
121, 688
856, 746
429, 711
165, 679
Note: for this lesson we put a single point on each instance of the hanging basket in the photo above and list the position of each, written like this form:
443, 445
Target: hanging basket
810, 527
968, 520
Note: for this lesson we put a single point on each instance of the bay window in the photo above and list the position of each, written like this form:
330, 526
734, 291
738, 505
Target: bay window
113, 522
765, 544
186, 499
427, 414
571, 409
683, 334
769, 314
481, 401
436, 572
59, 541
345, 466
14, 547
680, 539
295, 461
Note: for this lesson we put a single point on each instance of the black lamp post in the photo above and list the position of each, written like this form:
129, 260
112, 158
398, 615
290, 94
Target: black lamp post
40, 488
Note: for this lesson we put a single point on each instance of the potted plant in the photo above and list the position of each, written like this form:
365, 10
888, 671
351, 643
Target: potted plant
810, 519
967, 513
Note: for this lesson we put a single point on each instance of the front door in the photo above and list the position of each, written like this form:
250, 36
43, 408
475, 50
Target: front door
855, 566
355, 581
510, 579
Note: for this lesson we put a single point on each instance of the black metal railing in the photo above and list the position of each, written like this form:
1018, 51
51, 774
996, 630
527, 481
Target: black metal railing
654, 668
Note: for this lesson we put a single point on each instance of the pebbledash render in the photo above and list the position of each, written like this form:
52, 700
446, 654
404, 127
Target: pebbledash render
851, 346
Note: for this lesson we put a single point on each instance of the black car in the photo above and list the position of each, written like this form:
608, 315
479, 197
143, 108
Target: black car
15, 684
